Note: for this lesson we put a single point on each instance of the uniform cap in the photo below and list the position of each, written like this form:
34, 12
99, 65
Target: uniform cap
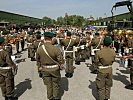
1, 39
49, 34
38, 32
30, 32
69, 33
5, 32
107, 39
88, 32
96, 33
38, 36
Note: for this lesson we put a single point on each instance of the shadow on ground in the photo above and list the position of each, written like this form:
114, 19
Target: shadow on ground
22, 87
92, 86
64, 85
121, 78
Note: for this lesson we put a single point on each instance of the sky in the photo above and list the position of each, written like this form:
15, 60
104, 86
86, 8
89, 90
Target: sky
57, 8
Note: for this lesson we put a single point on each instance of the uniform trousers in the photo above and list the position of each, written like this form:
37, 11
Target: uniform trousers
6, 82
69, 63
51, 78
131, 71
104, 83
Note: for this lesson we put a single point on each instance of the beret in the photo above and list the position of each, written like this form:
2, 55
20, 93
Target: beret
38, 32
30, 32
49, 34
96, 33
69, 33
2, 39
5, 32
38, 36
107, 39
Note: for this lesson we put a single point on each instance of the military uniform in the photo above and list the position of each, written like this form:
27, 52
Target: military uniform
22, 40
68, 46
30, 40
130, 46
17, 40
7, 45
83, 48
36, 44
104, 60
78, 50
6, 75
88, 47
96, 44
49, 68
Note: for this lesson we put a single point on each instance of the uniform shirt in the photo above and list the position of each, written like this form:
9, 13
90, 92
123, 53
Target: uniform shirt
130, 43
5, 59
77, 41
65, 43
83, 41
105, 56
37, 44
54, 52
95, 43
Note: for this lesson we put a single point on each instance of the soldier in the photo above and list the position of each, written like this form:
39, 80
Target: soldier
83, 48
30, 41
77, 49
17, 40
96, 44
6, 75
88, 47
68, 44
49, 60
104, 59
37, 43
7, 45
130, 57
22, 40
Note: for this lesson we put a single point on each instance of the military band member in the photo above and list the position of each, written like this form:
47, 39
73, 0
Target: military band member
83, 48
88, 47
104, 59
77, 49
6, 75
17, 40
36, 44
96, 44
130, 59
7, 45
22, 40
68, 44
49, 59
30, 40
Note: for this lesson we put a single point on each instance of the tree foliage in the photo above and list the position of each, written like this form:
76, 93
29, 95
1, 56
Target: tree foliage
72, 20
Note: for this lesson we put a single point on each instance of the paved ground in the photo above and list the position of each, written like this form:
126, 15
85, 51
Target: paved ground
28, 86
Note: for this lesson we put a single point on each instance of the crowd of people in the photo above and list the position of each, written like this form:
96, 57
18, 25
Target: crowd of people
55, 49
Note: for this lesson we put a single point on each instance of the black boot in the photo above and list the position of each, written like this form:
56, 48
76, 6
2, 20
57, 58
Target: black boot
94, 72
6, 98
33, 59
129, 87
67, 75
12, 98
70, 75
77, 63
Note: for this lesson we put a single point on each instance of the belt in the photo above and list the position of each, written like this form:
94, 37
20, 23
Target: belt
103, 67
5, 67
67, 51
50, 66
7, 46
29, 43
